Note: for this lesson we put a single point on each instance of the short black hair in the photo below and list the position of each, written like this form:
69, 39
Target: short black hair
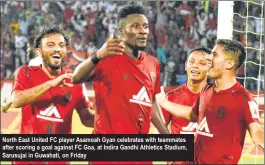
201, 48
236, 48
48, 31
130, 9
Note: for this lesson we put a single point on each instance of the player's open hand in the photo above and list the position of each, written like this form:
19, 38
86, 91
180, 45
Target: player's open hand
160, 97
113, 46
61, 80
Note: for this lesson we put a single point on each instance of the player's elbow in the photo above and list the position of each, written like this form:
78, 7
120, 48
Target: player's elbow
16, 102
193, 117
75, 79
88, 123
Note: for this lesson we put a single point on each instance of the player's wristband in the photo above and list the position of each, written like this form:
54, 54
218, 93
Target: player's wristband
94, 59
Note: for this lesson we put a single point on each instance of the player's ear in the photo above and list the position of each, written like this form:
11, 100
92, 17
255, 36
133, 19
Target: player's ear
38, 51
120, 31
230, 64
186, 65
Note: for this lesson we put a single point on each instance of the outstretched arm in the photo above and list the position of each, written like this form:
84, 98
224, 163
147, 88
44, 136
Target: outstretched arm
179, 110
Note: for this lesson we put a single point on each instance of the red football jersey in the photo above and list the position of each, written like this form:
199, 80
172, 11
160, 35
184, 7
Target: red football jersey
124, 92
223, 118
181, 95
52, 112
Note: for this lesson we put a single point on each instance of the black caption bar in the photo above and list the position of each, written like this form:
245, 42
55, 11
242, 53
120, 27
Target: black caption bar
81, 147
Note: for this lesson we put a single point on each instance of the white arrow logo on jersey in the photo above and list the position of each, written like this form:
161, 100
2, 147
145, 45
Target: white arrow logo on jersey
48, 112
189, 129
204, 126
141, 98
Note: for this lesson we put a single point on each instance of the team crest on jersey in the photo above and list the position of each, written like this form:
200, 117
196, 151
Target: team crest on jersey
221, 112
67, 97
153, 76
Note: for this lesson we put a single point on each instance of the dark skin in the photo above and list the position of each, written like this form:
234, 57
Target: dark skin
134, 32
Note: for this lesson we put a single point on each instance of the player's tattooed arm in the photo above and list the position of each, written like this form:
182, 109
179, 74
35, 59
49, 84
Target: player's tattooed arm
84, 71
257, 134
23, 97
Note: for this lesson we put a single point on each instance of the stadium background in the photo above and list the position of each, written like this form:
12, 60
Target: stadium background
175, 28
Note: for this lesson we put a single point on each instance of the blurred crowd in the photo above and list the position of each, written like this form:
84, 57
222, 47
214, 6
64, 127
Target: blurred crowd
175, 28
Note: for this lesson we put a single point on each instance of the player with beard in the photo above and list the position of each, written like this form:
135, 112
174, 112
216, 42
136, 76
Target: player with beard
45, 92
223, 111
126, 79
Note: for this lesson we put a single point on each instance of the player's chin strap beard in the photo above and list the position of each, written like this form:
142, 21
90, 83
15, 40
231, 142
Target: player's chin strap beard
135, 49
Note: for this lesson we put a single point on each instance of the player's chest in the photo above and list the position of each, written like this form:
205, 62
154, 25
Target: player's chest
60, 99
56, 105
219, 108
128, 75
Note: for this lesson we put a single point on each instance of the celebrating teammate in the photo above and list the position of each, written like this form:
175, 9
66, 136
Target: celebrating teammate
196, 67
45, 92
223, 111
33, 62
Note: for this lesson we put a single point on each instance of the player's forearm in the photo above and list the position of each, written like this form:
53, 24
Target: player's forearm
83, 72
179, 110
259, 140
257, 135
87, 119
158, 120
28, 96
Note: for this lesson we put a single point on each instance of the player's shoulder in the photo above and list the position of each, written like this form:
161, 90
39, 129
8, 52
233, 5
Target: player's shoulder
208, 86
239, 90
26, 68
150, 57
178, 90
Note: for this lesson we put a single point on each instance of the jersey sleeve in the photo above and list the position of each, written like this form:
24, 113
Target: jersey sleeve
251, 113
22, 79
195, 107
99, 70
